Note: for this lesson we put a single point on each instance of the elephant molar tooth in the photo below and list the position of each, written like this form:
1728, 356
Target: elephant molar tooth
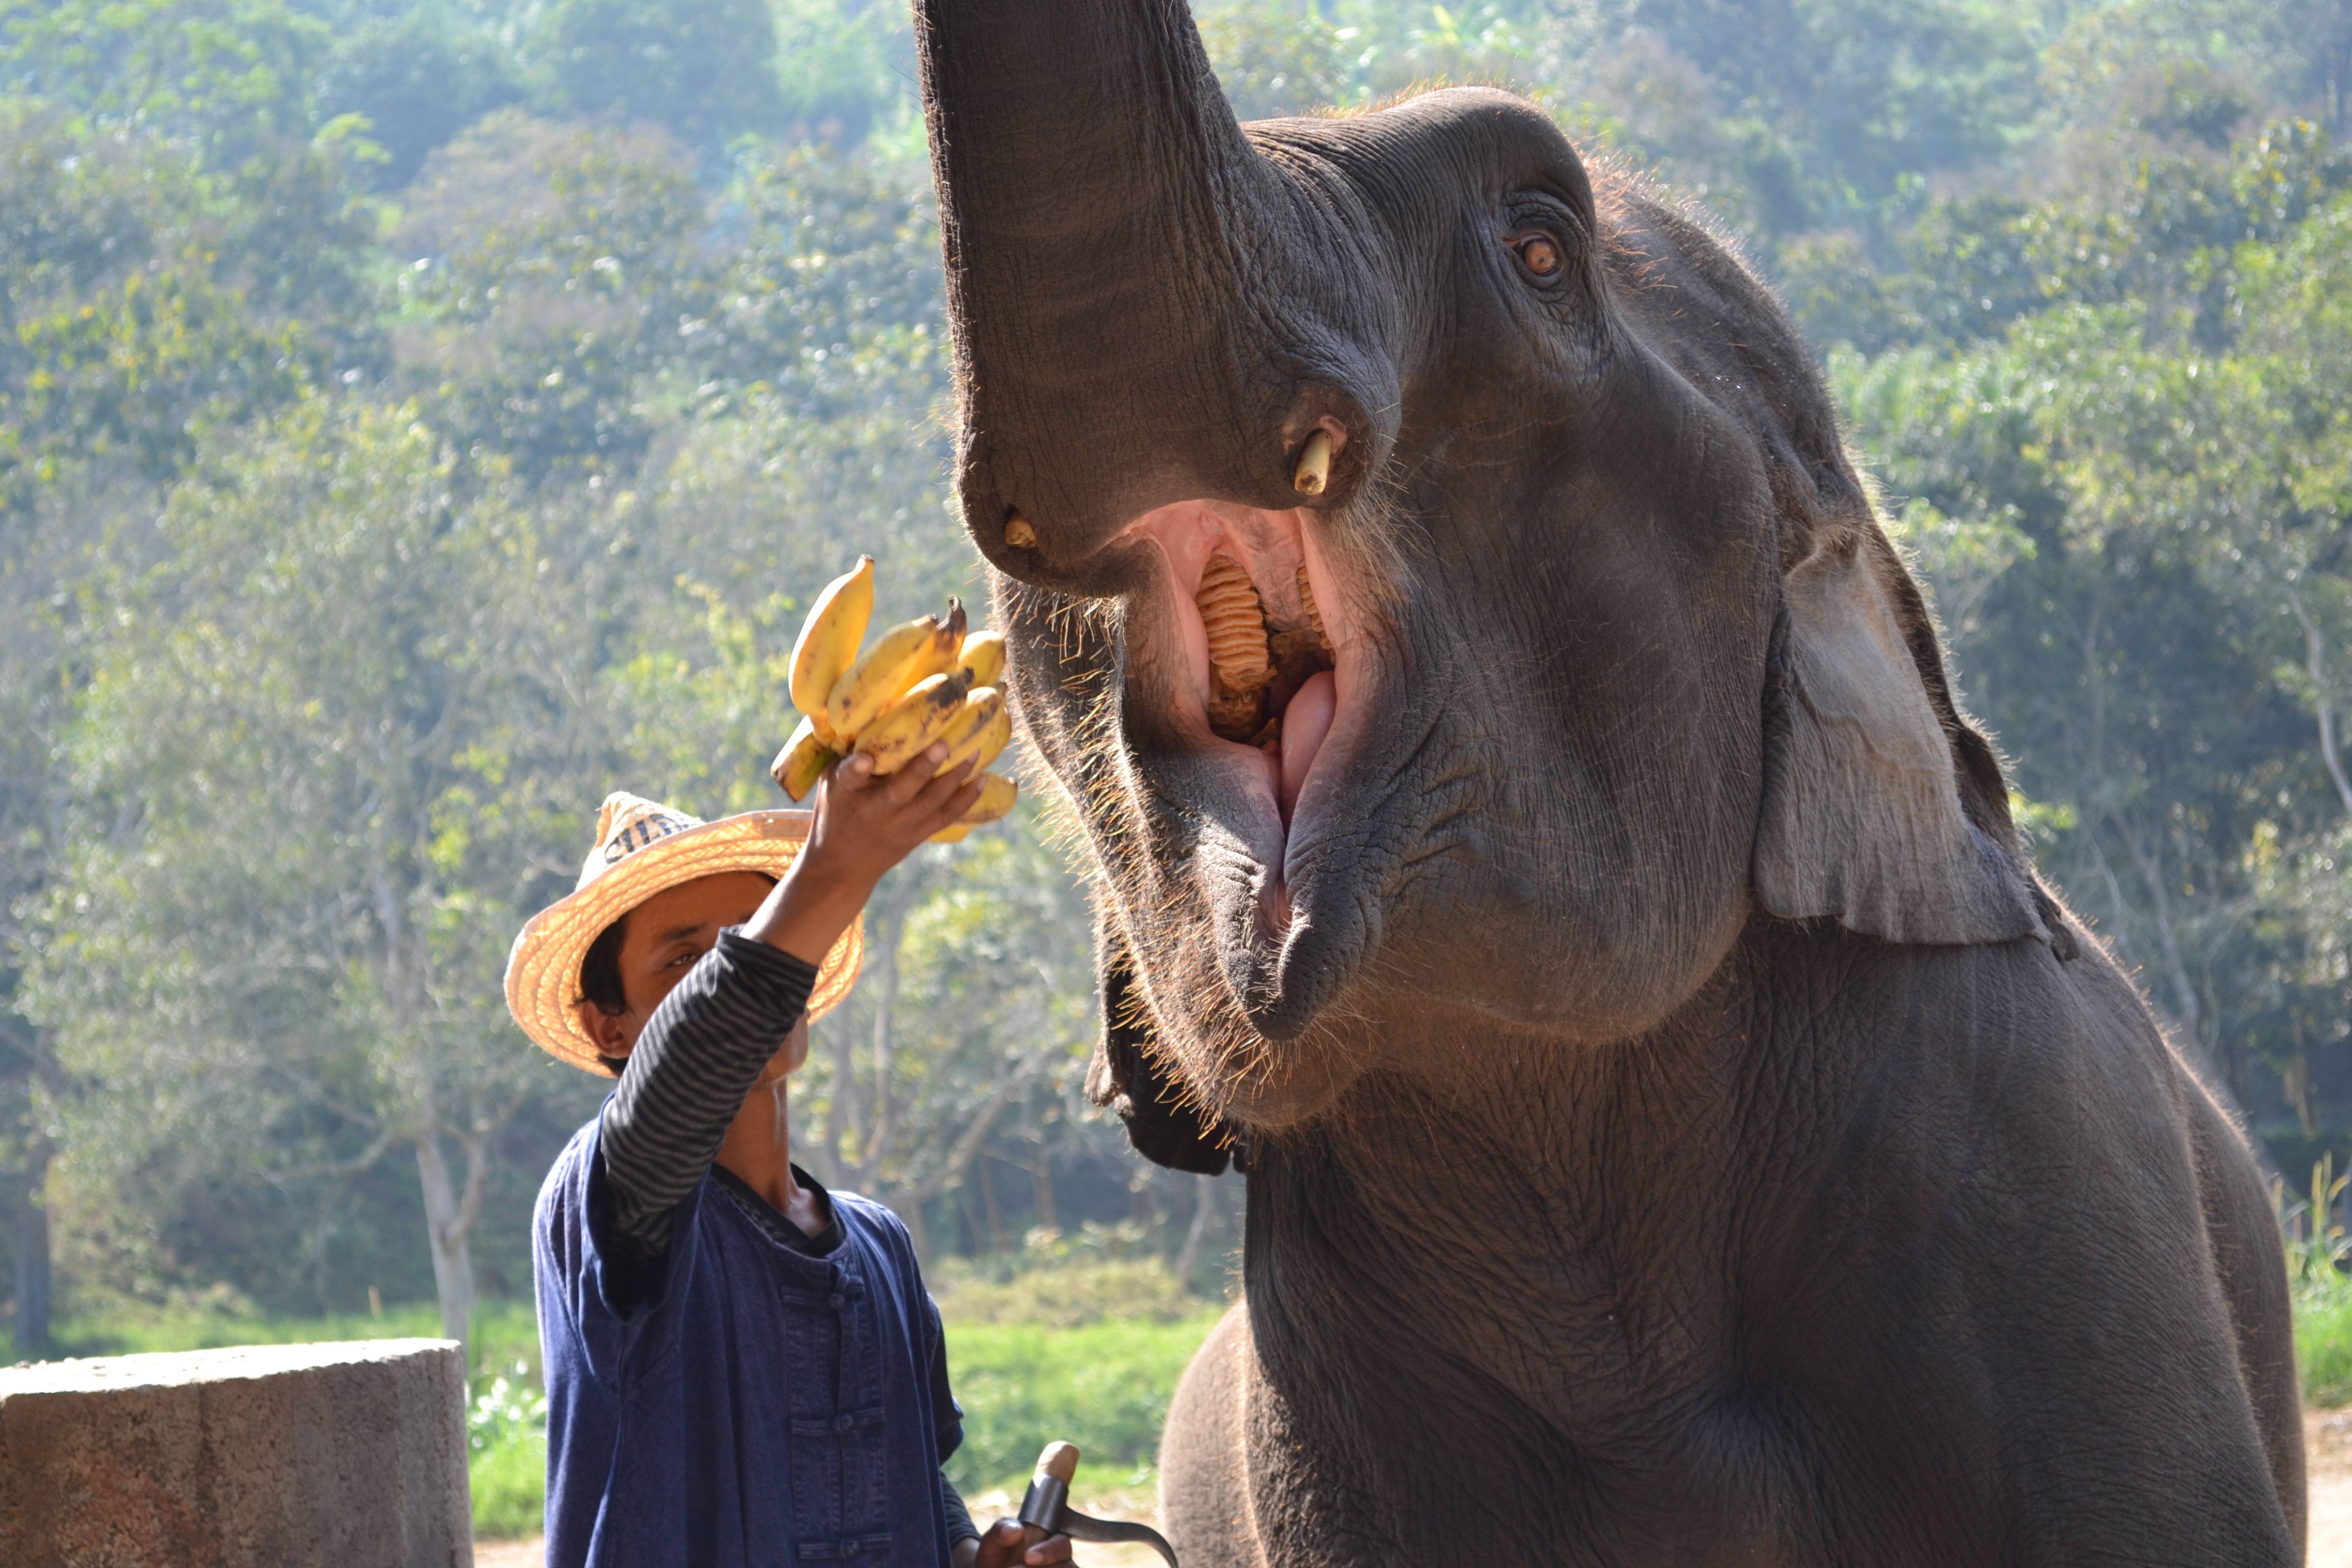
1314, 616
1235, 621
1241, 664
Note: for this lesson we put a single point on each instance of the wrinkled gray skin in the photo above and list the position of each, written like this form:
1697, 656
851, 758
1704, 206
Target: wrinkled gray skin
1678, 1128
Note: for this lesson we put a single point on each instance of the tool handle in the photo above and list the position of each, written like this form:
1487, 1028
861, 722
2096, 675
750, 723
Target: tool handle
1057, 1461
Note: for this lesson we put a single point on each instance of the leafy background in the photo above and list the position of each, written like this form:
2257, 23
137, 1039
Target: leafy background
417, 419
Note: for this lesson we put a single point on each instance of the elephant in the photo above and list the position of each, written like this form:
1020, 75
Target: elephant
1678, 1124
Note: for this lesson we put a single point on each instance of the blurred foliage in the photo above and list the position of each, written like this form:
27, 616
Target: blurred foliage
704, 69
417, 420
2317, 1252
1060, 1292
1105, 1387
356, 547
506, 1456
416, 82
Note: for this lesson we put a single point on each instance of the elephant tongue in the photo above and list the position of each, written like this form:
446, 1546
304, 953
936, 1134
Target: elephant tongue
1305, 723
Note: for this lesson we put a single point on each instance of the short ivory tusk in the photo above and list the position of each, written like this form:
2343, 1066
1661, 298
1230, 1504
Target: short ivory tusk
1018, 533
1314, 465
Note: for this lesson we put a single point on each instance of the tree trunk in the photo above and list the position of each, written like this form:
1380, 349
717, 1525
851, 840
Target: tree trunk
987, 1200
447, 1222
1204, 1201
33, 1257
1041, 1188
2314, 651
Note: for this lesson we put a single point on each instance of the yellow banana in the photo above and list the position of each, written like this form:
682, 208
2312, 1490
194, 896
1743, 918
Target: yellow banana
963, 732
829, 637
891, 668
803, 761
983, 659
901, 730
997, 794
981, 747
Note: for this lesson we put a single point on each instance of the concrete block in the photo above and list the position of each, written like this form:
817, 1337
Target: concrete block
338, 1455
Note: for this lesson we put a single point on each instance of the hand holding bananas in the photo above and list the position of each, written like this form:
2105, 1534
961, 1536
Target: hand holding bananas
921, 685
865, 824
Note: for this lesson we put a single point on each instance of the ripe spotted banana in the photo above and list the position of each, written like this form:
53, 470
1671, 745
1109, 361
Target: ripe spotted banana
827, 645
893, 666
983, 746
898, 735
997, 794
803, 761
983, 659
984, 709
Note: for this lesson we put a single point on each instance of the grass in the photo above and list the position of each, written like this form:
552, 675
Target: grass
504, 1333
506, 1470
2323, 1346
1104, 1387
1103, 1384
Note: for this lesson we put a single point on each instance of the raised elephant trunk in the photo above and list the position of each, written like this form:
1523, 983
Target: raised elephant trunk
1108, 227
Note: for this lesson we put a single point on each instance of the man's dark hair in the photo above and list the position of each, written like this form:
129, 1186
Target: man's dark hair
600, 982
600, 971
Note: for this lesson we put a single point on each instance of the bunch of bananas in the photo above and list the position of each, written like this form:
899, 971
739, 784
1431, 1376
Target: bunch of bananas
922, 683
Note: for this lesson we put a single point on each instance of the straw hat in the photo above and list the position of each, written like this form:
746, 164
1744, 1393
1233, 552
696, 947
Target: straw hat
644, 849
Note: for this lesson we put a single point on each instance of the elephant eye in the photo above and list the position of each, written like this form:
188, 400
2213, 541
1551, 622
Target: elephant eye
1539, 254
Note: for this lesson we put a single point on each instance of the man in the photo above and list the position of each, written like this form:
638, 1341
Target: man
740, 1366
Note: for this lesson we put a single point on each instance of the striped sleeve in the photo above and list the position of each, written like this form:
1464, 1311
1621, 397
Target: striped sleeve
697, 1057
960, 1525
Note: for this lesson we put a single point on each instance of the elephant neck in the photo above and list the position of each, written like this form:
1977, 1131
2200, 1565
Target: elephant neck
1561, 1234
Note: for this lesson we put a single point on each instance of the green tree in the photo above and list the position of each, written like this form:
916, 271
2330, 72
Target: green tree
550, 269
844, 69
314, 777
229, 74
416, 82
703, 68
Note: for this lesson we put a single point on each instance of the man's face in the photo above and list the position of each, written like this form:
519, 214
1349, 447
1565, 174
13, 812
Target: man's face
667, 934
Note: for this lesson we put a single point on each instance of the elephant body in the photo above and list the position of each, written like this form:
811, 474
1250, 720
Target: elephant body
1861, 1258
1535, 838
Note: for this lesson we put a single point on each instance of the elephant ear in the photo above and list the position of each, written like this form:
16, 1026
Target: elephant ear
1883, 807
1162, 1122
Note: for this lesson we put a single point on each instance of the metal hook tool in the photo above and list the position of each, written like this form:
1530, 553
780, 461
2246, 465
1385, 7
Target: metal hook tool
1047, 1510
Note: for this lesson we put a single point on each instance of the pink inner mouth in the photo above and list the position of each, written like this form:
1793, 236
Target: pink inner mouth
1303, 696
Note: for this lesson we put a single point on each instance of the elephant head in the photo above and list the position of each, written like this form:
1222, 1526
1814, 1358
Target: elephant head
1555, 634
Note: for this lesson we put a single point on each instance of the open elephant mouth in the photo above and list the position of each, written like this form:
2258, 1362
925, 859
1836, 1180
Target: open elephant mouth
1267, 634
1265, 660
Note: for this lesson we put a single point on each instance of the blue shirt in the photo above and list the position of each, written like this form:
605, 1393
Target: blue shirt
739, 1401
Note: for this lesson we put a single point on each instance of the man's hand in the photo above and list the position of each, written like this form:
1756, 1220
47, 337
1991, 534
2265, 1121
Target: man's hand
864, 827
1000, 1547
